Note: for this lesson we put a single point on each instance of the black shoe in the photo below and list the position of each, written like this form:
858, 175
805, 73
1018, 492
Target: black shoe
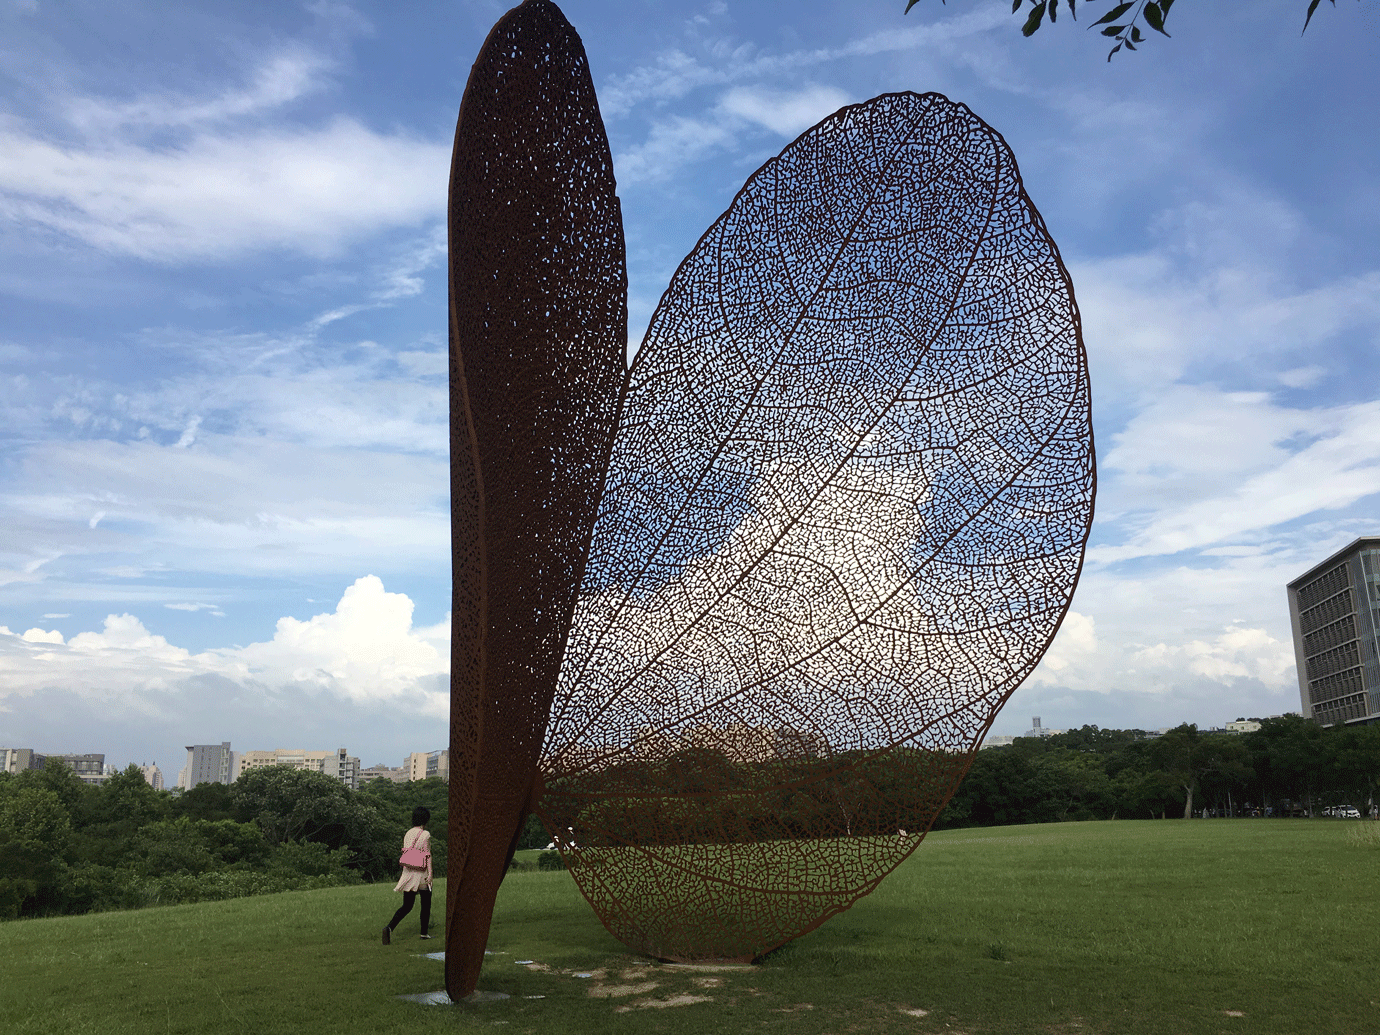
387, 935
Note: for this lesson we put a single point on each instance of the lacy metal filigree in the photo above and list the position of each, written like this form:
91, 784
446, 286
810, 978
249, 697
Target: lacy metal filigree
759, 609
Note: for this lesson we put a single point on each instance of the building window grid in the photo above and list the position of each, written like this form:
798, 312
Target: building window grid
1334, 607
1343, 710
1338, 632
1325, 585
1331, 687
1346, 656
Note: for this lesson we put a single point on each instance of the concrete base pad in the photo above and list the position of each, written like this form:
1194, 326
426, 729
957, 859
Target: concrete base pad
441, 999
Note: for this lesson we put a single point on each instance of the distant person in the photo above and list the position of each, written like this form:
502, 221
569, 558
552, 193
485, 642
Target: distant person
415, 880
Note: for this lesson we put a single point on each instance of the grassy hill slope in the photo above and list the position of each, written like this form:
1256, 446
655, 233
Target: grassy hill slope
1175, 927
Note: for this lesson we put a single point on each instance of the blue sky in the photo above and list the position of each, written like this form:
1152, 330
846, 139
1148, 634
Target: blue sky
223, 509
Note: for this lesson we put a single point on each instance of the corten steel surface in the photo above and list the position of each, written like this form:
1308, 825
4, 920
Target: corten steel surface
843, 517
538, 332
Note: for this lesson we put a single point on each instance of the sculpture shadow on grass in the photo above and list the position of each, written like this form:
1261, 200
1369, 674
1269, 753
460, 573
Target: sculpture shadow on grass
732, 621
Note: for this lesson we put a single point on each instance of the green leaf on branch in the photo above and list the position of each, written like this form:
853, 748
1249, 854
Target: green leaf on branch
1033, 22
1053, 11
1112, 15
1309, 16
1113, 30
1136, 36
1154, 14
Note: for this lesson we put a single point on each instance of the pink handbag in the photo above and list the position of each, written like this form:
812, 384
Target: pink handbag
415, 857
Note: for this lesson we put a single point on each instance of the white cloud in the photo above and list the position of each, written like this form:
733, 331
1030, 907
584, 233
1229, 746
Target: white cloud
281, 79
366, 652
1302, 377
228, 505
188, 436
217, 197
674, 73
1234, 654
1205, 467
1075, 642
785, 112
672, 143
190, 607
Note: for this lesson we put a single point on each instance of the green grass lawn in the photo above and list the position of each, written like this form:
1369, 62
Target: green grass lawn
1176, 927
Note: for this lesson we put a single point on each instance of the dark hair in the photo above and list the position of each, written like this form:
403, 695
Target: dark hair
421, 816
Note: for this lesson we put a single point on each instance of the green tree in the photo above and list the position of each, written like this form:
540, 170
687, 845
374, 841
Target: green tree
204, 801
1357, 758
299, 805
35, 842
1076, 784
127, 798
1188, 757
1293, 758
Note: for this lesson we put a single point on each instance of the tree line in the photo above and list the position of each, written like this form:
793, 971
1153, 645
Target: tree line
69, 847
1289, 767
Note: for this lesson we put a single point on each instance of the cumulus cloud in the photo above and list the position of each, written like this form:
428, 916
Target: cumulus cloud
1075, 642
365, 652
1234, 654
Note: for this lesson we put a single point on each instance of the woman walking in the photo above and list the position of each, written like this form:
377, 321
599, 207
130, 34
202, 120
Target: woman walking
415, 879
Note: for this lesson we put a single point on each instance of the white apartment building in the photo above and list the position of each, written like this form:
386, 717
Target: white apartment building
421, 764
374, 772
338, 764
16, 760
153, 775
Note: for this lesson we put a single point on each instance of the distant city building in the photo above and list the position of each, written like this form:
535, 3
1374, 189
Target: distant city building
1334, 609
1242, 726
153, 775
375, 772
421, 764
16, 760
998, 741
1036, 730
90, 768
209, 763
337, 764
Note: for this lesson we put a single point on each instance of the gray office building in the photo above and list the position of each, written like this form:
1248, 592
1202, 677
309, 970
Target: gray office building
1334, 608
209, 763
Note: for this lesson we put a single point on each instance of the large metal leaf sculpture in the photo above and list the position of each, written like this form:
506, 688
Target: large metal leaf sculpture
538, 332
843, 517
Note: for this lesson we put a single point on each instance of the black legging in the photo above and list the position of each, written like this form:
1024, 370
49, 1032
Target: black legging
408, 898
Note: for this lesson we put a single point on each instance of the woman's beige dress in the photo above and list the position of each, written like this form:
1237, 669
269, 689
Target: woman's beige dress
416, 880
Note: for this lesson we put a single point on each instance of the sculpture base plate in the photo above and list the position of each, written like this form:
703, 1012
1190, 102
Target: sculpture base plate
441, 999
